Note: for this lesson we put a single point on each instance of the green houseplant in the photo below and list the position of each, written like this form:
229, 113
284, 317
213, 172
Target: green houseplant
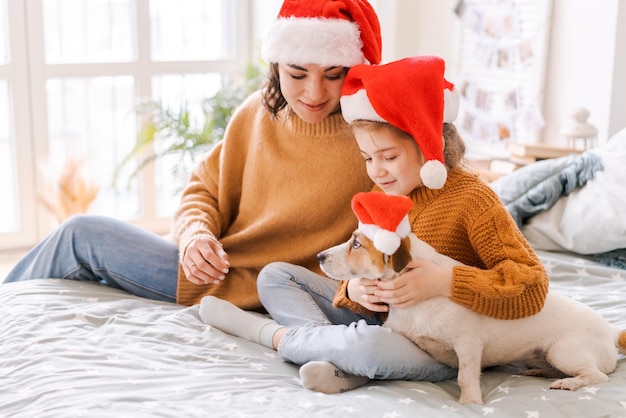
166, 131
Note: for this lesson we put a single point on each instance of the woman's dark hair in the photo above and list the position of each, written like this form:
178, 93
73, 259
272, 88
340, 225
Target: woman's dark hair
454, 147
273, 99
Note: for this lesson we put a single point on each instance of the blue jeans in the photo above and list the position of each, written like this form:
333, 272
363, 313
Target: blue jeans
105, 250
302, 300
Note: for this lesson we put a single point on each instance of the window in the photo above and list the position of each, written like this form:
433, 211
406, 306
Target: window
90, 63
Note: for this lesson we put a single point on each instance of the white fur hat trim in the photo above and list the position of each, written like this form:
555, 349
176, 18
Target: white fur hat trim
450, 105
358, 106
325, 42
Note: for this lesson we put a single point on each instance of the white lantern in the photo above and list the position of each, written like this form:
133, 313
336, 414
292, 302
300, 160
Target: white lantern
579, 133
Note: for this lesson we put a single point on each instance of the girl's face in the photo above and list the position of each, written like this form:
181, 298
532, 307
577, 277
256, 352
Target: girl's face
312, 91
393, 162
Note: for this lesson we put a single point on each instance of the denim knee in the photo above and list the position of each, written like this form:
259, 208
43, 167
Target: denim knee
272, 275
77, 224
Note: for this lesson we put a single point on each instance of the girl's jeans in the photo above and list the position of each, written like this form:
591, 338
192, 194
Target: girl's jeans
105, 250
302, 300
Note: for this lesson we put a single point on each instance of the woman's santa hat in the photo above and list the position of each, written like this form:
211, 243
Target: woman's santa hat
324, 32
383, 218
412, 95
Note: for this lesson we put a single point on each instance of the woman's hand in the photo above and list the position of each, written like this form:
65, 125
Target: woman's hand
362, 292
423, 280
205, 261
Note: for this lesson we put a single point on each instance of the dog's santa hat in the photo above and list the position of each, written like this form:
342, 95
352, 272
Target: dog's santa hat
383, 218
324, 32
412, 95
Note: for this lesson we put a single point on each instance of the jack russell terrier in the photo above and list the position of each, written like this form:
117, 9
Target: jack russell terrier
572, 338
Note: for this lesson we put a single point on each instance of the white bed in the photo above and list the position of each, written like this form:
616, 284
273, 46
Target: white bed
74, 349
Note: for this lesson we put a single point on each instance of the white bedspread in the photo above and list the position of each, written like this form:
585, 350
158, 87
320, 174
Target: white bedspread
72, 349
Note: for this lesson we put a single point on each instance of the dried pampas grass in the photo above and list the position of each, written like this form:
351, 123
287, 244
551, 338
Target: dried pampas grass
72, 193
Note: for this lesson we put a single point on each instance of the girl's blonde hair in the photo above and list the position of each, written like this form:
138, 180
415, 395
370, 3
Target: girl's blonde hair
453, 150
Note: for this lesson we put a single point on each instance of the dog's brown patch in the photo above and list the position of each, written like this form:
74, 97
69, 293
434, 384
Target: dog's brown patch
402, 256
621, 341
362, 252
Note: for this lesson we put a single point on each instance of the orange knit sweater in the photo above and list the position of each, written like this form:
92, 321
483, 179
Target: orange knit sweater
270, 191
466, 221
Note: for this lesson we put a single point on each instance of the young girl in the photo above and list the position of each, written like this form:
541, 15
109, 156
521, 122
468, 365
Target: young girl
285, 150
401, 115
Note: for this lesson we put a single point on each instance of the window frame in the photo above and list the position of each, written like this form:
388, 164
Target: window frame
28, 74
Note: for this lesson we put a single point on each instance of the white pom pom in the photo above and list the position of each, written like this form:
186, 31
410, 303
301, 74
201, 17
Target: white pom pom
433, 174
386, 242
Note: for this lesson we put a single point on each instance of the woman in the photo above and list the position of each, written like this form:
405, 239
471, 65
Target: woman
261, 194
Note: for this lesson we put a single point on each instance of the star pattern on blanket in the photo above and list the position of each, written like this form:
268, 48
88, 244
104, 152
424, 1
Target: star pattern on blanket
504, 389
496, 400
306, 405
258, 366
211, 371
348, 409
231, 346
240, 380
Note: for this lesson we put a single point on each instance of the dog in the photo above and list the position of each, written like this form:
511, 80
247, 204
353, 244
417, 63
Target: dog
566, 336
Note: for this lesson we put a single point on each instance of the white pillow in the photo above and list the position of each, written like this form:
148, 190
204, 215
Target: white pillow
591, 219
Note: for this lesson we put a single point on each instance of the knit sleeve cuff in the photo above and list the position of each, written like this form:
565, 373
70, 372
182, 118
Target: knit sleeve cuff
463, 287
191, 232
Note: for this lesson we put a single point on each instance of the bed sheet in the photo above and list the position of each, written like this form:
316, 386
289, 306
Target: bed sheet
75, 349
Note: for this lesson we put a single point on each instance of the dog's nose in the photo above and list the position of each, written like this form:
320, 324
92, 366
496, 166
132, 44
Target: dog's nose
321, 257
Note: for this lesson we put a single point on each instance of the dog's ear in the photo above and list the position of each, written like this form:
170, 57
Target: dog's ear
402, 256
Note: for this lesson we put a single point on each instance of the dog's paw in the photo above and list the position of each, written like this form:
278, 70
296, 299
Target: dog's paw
469, 399
565, 384
589, 377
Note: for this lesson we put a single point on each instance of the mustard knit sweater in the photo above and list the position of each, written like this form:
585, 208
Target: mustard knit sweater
272, 190
466, 221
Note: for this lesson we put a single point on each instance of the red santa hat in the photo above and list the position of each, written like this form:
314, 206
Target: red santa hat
324, 32
412, 95
383, 218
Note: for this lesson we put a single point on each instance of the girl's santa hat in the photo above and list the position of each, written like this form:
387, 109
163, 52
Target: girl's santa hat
324, 32
412, 95
383, 218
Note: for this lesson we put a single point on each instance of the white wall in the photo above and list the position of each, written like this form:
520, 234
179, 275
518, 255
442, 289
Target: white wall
583, 65
420, 27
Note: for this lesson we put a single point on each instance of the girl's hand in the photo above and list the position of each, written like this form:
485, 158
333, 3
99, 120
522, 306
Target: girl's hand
205, 261
362, 291
423, 280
